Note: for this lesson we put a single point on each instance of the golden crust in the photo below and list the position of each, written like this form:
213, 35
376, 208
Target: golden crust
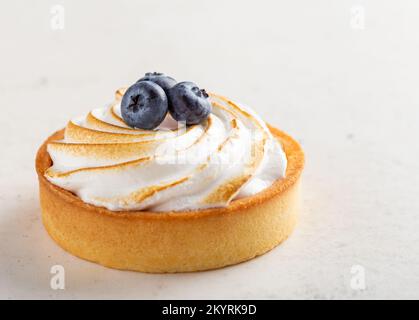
173, 241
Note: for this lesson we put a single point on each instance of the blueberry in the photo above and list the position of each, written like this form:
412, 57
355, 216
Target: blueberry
144, 105
161, 79
189, 103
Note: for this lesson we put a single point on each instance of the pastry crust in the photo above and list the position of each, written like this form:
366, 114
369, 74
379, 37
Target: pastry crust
173, 241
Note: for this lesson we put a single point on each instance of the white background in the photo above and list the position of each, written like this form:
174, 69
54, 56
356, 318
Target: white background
348, 94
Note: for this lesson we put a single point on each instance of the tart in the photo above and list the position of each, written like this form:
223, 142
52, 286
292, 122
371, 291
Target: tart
157, 231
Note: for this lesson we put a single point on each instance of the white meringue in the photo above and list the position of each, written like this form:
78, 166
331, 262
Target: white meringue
106, 163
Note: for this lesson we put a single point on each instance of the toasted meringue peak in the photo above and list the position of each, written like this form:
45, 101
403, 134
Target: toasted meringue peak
106, 163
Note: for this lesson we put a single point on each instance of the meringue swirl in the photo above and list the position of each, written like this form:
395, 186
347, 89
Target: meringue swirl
106, 163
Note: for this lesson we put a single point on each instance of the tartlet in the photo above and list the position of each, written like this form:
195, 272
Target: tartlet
167, 242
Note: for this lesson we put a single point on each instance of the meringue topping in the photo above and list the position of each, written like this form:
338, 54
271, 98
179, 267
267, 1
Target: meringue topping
106, 163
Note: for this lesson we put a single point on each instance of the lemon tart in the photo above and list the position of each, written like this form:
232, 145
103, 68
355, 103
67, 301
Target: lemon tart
179, 198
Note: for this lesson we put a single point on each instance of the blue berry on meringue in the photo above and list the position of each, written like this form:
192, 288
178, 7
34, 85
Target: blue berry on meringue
164, 81
144, 105
189, 103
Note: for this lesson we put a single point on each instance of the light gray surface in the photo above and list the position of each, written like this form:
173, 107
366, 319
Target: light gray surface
348, 95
